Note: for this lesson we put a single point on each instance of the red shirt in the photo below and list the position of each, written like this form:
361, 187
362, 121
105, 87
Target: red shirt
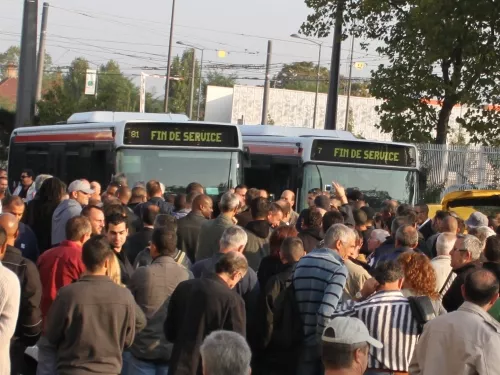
59, 267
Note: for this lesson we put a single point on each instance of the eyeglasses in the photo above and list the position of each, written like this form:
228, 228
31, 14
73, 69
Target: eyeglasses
24, 176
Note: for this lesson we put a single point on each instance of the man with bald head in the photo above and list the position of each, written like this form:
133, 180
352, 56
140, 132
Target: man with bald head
29, 322
289, 196
188, 227
96, 186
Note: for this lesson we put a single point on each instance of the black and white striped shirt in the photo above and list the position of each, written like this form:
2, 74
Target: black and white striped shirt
388, 317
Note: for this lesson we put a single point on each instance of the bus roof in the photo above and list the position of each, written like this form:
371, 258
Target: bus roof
108, 116
281, 131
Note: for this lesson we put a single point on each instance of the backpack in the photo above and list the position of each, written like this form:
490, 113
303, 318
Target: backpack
422, 310
288, 329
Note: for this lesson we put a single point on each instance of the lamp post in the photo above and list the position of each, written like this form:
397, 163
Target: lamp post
169, 58
319, 44
201, 70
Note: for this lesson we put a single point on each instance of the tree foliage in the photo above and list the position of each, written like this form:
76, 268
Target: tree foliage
12, 55
66, 96
437, 50
303, 76
180, 87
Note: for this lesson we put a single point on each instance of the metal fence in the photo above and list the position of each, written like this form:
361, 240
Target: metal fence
449, 168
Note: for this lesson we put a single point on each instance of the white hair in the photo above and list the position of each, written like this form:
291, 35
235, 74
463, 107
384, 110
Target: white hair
229, 202
338, 232
225, 353
380, 235
445, 243
233, 238
473, 245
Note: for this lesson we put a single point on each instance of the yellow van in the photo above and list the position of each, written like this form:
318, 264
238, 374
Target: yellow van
466, 202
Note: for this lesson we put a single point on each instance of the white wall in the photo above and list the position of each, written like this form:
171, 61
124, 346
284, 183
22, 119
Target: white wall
295, 109
219, 104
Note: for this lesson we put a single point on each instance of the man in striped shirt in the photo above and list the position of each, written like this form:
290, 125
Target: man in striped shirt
319, 279
389, 319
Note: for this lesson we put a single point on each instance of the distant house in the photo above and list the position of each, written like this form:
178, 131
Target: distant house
8, 88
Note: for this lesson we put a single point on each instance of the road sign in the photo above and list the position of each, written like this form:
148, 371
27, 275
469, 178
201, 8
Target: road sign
90, 82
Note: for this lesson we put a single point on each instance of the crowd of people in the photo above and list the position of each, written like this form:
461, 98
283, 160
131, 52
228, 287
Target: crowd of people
130, 280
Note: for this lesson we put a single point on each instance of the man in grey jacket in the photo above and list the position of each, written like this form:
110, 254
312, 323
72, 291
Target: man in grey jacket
79, 193
211, 231
152, 287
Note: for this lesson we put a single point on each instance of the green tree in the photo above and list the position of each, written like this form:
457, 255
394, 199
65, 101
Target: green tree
66, 95
303, 76
218, 78
179, 88
437, 50
12, 55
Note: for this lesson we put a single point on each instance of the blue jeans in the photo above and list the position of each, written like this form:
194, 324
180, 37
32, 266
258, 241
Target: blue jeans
137, 367
47, 357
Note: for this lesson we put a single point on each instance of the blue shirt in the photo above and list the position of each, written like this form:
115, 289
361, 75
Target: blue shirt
27, 243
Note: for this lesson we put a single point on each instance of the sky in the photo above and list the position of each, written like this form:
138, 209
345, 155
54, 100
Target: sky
136, 34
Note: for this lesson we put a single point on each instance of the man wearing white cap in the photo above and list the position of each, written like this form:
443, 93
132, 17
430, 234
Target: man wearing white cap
79, 193
345, 345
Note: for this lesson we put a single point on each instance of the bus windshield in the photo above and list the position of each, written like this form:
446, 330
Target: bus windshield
217, 171
376, 184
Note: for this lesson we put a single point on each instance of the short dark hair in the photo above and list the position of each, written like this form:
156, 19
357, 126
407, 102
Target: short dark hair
95, 252
405, 209
87, 209
120, 179
165, 241
399, 221
441, 215
114, 208
241, 186
166, 221
29, 172
194, 186
149, 214
492, 250
153, 188
331, 218
3, 236
115, 219
388, 272
424, 208
360, 217
259, 207
114, 184
481, 286
77, 227
190, 197
180, 202
313, 219
338, 356
250, 195
292, 248
231, 262
12, 200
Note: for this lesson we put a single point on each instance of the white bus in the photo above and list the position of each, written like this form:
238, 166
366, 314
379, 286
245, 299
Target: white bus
165, 147
304, 159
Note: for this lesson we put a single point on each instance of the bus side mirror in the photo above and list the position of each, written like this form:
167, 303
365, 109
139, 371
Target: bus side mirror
247, 161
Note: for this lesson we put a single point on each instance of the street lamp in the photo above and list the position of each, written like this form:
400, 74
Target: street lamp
319, 44
201, 70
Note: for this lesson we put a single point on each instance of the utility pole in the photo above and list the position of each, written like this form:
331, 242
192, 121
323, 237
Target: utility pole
333, 92
199, 89
349, 85
169, 59
27, 65
191, 86
265, 102
41, 52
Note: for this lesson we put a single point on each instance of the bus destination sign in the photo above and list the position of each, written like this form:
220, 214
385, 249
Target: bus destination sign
180, 134
363, 153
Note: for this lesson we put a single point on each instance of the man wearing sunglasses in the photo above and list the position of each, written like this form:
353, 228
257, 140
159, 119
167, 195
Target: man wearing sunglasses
464, 260
26, 189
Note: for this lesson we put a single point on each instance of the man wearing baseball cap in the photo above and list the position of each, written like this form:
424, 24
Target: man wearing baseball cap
345, 345
79, 193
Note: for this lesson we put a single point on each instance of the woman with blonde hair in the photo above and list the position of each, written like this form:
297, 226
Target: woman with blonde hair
114, 272
420, 279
